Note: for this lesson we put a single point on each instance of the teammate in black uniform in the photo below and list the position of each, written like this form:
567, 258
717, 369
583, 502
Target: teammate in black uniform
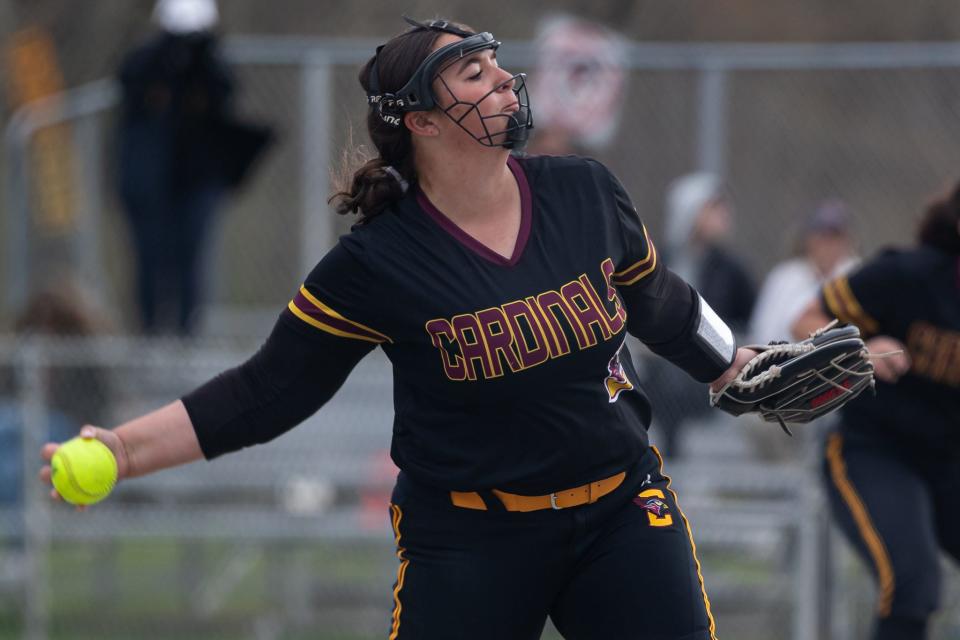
893, 465
502, 290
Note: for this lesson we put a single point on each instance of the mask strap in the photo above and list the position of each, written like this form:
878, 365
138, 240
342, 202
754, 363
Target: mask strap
373, 95
439, 25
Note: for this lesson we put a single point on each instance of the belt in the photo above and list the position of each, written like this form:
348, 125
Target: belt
584, 494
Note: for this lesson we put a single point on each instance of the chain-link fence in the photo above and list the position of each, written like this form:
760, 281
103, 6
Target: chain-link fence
257, 544
290, 539
874, 125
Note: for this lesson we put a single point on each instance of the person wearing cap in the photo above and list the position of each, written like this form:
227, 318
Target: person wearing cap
826, 249
180, 150
502, 289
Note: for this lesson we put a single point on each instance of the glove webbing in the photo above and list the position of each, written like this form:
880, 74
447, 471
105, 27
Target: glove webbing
773, 372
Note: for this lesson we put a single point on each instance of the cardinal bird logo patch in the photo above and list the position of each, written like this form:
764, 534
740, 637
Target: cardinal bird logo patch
653, 502
654, 505
617, 381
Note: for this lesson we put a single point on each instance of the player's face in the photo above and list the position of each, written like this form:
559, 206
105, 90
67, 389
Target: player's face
826, 249
714, 221
476, 92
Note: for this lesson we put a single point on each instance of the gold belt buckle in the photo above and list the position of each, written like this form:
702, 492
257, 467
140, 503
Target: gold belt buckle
553, 502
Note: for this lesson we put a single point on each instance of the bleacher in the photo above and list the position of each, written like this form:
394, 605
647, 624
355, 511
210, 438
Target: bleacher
760, 526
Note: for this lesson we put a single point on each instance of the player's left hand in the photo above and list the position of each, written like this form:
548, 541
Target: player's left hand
895, 362
743, 357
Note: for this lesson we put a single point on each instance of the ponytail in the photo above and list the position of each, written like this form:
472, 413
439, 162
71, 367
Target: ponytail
371, 189
368, 186
939, 226
377, 182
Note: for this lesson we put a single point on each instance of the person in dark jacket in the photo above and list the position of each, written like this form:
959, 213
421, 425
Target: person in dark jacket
176, 99
699, 217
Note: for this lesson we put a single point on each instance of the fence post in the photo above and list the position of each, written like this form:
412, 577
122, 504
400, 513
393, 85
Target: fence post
86, 240
809, 578
712, 119
316, 224
36, 515
16, 147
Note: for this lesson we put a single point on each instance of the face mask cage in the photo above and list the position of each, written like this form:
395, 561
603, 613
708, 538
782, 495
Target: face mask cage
417, 94
516, 126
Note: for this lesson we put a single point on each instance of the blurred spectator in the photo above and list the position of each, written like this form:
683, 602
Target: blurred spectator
826, 249
578, 86
699, 218
180, 150
73, 393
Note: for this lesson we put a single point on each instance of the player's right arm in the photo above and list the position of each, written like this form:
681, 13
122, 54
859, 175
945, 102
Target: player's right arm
160, 439
307, 357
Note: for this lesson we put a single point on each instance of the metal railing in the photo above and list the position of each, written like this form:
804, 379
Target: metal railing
741, 507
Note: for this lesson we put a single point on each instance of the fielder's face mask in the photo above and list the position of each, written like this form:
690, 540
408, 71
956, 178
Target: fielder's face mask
417, 94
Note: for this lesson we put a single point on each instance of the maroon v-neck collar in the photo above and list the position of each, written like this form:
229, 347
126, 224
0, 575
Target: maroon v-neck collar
526, 215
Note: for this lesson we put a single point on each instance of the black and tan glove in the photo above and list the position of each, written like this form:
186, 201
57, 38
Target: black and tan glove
799, 382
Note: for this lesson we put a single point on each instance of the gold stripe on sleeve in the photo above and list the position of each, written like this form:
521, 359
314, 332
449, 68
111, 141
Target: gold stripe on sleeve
325, 327
860, 317
625, 277
831, 297
313, 300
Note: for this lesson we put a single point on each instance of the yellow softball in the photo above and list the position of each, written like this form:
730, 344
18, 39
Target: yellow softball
83, 471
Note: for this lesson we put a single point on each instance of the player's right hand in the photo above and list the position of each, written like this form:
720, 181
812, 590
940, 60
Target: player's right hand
106, 436
890, 367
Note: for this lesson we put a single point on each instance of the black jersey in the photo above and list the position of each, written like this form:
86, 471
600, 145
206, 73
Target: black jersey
913, 296
508, 372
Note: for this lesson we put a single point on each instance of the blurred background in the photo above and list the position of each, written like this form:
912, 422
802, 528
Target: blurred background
757, 138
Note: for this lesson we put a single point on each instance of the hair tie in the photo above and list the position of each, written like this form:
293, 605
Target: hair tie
399, 178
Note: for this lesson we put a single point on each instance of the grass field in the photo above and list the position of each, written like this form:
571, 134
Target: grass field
158, 589
176, 589
162, 588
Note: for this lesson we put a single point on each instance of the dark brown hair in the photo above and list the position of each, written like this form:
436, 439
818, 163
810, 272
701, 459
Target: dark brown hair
938, 226
369, 189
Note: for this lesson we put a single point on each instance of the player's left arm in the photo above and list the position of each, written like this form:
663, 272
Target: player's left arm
675, 322
663, 311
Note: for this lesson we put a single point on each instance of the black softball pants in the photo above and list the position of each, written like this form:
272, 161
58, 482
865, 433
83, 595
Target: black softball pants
622, 568
899, 511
